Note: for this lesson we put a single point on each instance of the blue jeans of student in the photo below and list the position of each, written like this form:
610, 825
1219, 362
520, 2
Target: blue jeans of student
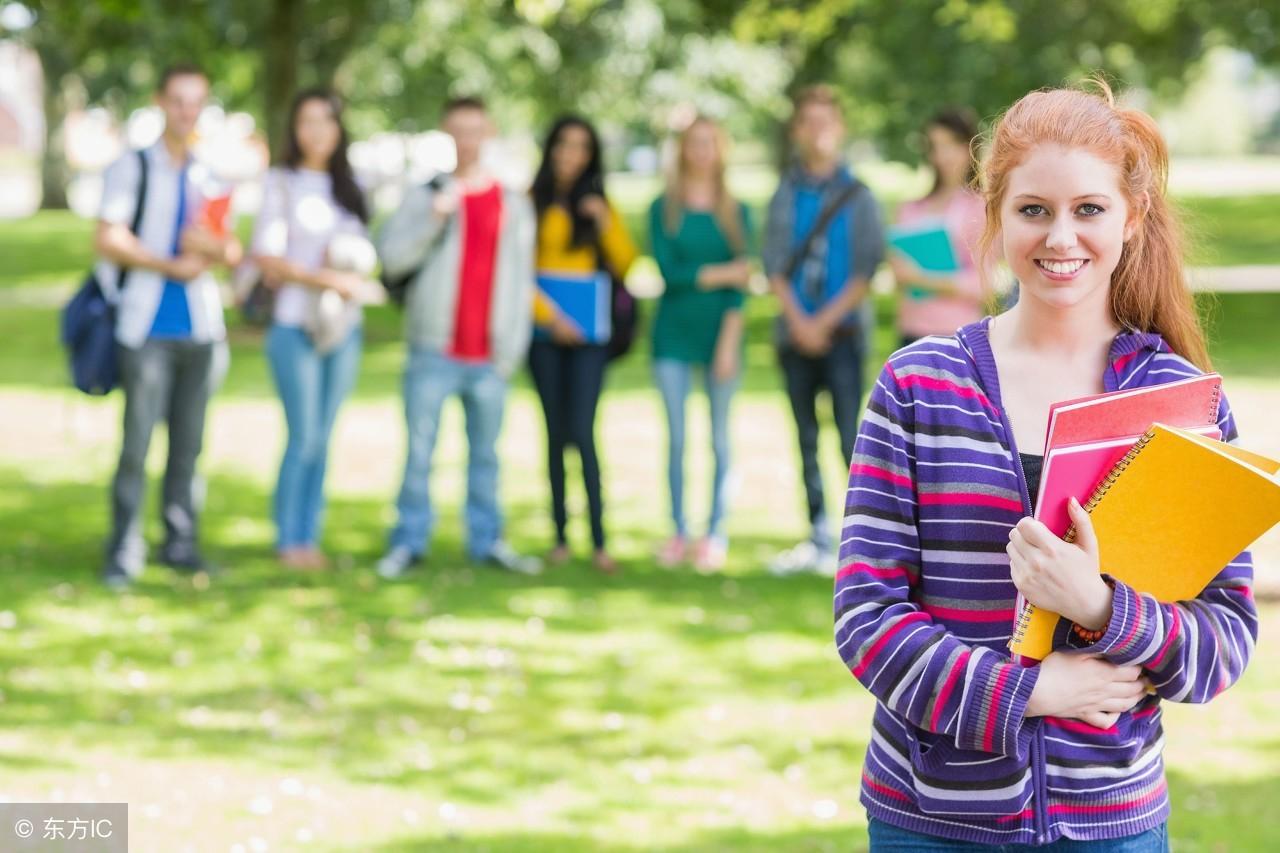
886, 838
312, 385
674, 379
431, 378
839, 371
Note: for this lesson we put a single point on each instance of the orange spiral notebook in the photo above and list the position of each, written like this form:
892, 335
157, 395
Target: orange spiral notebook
1174, 511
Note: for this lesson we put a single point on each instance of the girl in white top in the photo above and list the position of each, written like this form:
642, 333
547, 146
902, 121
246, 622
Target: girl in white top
311, 243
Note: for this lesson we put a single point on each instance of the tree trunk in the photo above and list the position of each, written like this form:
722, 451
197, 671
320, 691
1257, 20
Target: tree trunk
280, 64
54, 172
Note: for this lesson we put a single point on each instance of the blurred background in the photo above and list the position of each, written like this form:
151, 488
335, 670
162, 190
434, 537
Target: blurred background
467, 709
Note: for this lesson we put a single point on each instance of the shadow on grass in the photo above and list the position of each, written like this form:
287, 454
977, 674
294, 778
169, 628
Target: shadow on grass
459, 677
458, 682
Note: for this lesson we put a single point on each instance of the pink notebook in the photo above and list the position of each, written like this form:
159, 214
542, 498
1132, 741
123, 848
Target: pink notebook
1075, 470
1186, 403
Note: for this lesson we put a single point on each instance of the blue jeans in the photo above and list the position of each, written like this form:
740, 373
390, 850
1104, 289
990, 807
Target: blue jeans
430, 378
311, 386
886, 837
674, 379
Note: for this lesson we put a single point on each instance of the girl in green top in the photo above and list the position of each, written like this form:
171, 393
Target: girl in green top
699, 235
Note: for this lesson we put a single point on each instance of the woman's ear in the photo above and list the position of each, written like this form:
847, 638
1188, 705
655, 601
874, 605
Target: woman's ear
1137, 212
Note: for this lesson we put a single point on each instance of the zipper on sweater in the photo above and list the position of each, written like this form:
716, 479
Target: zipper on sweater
1039, 786
1040, 794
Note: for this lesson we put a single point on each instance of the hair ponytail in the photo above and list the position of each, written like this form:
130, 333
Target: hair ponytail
1149, 288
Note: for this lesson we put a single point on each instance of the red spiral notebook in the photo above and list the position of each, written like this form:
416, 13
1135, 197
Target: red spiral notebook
1085, 439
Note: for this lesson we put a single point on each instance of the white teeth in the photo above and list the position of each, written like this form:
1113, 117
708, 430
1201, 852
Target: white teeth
1058, 268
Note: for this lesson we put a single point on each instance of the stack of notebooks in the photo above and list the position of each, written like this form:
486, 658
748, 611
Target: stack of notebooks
1171, 504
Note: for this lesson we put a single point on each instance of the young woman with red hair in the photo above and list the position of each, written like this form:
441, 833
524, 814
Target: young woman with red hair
968, 747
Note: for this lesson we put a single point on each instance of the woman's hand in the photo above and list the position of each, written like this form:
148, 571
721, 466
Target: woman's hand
735, 273
565, 332
597, 208
348, 285
905, 270
724, 365
1060, 576
1085, 687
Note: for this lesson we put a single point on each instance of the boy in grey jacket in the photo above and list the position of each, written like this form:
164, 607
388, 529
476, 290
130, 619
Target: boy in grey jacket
468, 320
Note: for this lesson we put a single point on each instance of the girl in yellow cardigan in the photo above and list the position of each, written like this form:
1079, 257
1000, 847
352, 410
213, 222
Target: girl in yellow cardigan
579, 236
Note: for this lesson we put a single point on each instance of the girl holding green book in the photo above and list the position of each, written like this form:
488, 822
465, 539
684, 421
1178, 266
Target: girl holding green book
937, 302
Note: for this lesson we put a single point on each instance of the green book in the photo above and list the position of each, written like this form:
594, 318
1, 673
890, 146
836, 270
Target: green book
929, 247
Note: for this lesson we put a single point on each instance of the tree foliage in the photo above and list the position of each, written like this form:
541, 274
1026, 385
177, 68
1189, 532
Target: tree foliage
630, 63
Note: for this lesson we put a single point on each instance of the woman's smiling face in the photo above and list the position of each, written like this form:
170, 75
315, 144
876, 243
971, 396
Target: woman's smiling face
1064, 221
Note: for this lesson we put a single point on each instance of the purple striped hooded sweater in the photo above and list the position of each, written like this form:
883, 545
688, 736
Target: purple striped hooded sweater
924, 607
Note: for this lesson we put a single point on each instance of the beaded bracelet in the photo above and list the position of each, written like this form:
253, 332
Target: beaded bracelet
1088, 636
1092, 636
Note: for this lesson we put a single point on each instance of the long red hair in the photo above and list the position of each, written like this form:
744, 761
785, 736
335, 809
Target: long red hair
1149, 289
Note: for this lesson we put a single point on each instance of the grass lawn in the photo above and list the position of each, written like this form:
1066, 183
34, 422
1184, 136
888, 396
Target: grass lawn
462, 709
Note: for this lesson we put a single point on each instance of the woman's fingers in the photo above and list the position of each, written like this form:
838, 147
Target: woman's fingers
1035, 534
1118, 704
1099, 719
1129, 672
1129, 691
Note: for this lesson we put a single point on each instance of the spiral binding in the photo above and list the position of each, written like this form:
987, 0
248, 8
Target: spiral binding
1110, 480
1024, 614
1214, 402
1020, 625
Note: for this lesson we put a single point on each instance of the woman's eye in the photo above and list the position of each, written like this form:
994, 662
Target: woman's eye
1090, 209
1031, 210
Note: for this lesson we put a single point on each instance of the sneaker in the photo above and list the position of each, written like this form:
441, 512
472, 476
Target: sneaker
800, 559
504, 557
114, 576
396, 562
710, 554
185, 559
673, 552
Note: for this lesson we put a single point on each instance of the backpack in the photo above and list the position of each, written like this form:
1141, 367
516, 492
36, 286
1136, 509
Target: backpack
88, 322
624, 317
397, 287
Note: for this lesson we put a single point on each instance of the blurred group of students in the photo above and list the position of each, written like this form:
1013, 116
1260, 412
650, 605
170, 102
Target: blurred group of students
469, 255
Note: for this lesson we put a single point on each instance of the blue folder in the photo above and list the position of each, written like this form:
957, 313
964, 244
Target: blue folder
582, 298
